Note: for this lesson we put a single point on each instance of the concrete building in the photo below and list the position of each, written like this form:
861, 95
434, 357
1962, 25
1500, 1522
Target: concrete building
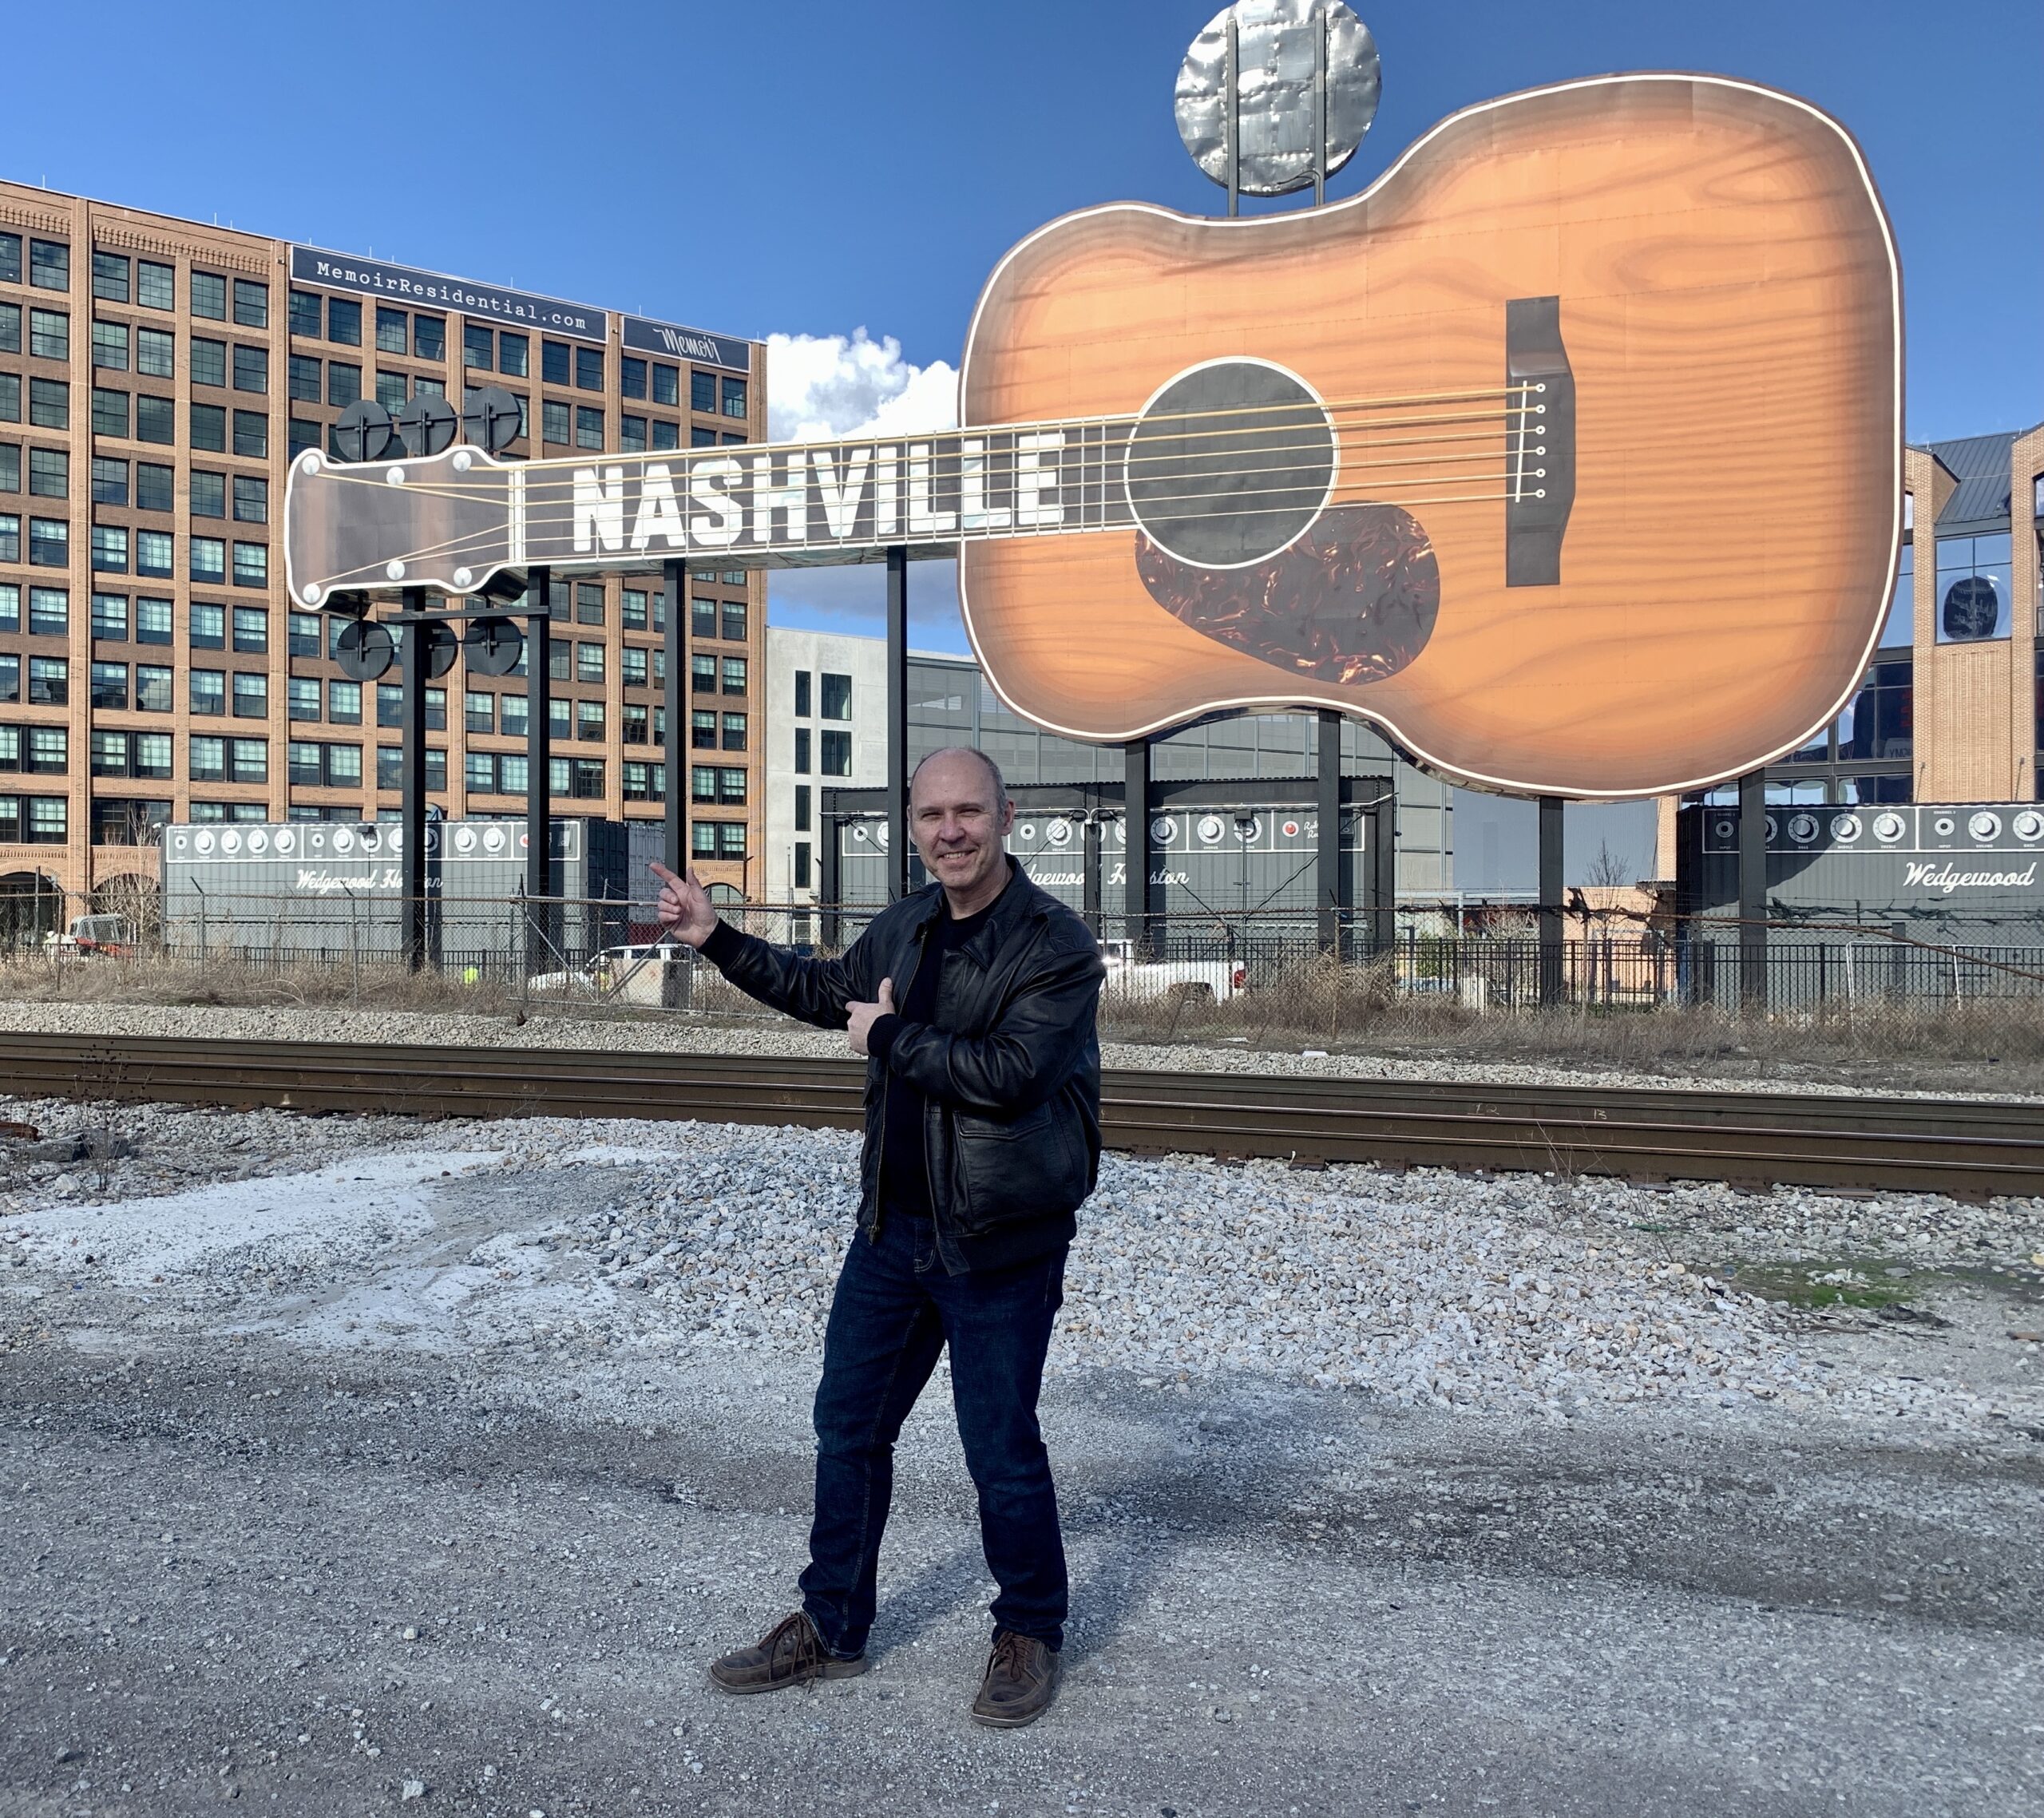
826, 706
156, 377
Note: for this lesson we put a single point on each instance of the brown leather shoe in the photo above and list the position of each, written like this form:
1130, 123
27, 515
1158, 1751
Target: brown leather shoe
791, 1653
1021, 1682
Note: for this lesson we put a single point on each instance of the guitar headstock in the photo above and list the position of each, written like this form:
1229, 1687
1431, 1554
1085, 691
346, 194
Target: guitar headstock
448, 521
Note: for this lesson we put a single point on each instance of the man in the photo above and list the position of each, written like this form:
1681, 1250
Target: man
973, 1001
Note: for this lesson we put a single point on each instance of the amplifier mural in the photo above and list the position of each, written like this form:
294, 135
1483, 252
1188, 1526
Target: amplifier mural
1978, 867
330, 887
1228, 862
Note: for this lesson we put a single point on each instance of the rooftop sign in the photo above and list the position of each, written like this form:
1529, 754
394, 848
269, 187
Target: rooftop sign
688, 344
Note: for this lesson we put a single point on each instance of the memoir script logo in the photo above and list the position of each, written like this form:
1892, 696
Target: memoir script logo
1946, 880
322, 883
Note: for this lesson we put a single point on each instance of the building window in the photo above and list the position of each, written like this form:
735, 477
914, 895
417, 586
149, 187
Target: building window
156, 352
430, 337
209, 428
251, 304
209, 559
251, 696
702, 618
1879, 722
344, 322
802, 754
109, 754
702, 675
702, 731
110, 272
731, 787
302, 697
251, 369
303, 380
50, 681
836, 702
632, 667
10, 537
734, 732
49, 335
734, 397
343, 382
733, 674
734, 617
702, 392
109, 549
249, 759
479, 711
478, 347
666, 435
1974, 587
588, 663
588, 426
304, 312
802, 807
49, 612
588, 369
49, 404
730, 839
511, 354
589, 602
251, 564
154, 486
109, 685
802, 865
632, 433
801, 694
588, 779
304, 631
209, 295
553, 421
109, 481
110, 617
511, 715
391, 331
49, 473
11, 471
153, 683
110, 345
251, 630
49, 543
208, 361
835, 759
109, 413
512, 770
152, 620
703, 783
50, 265
251, 434
632, 377
589, 720
555, 361
251, 499
631, 729
155, 421
154, 554
205, 759
666, 385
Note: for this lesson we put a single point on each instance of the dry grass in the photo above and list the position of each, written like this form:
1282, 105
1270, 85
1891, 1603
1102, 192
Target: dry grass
227, 982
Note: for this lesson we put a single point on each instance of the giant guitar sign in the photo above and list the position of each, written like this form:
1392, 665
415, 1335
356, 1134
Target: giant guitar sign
1568, 452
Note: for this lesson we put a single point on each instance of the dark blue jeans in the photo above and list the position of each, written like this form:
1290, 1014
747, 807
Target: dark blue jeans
894, 1310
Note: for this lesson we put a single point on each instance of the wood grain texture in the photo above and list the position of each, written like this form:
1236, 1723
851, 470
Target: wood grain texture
1729, 304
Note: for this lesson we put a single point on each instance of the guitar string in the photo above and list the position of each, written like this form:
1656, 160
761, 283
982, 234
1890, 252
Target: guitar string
1291, 411
1371, 494
1388, 402
550, 518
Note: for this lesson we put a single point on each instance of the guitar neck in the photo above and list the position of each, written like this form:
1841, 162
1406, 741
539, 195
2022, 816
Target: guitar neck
453, 520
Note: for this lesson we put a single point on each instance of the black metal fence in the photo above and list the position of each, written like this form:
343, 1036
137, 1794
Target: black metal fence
609, 951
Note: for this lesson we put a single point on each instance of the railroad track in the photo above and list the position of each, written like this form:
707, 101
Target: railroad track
1971, 1149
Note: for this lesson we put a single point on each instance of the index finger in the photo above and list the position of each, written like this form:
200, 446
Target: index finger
660, 870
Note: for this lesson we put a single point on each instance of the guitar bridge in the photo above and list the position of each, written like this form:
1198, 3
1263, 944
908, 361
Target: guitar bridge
1539, 441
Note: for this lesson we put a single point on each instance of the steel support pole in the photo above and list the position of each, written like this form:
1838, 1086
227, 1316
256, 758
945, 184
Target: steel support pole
539, 762
411, 783
674, 703
1550, 899
1383, 835
1135, 846
1231, 80
897, 723
1091, 879
1753, 890
1331, 870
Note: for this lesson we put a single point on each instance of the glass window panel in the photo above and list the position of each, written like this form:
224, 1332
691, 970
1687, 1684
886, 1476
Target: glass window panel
49, 611
251, 499
209, 295
302, 698
553, 421
343, 382
155, 420
511, 354
155, 284
304, 634
208, 494
208, 361
156, 352
50, 681
667, 435
733, 397
667, 385
49, 403
110, 274
631, 376
632, 433
834, 696
251, 432
109, 549
10, 469
478, 347
50, 542
208, 691
11, 258
391, 327
251, 369
110, 616
555, 362
304, 378
344, 322
249, 759
49, 335
734, 732
588, 426
305, 314
208, 558
430, 337
344, 701
153, 621
209, 428
589, 369
50, 265
251, 564
703, 391
251, 630
10, 537
50, 472
110, 345
109, 413
251, 303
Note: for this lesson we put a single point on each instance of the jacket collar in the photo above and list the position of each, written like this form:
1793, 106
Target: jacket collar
1019, 902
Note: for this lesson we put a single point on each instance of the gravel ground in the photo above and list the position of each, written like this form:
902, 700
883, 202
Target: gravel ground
358, 1462
780, 1036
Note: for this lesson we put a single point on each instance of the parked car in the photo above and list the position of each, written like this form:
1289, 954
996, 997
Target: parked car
633, 973
1128, 977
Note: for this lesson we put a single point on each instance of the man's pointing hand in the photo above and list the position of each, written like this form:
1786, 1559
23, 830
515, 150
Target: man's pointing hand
684, 906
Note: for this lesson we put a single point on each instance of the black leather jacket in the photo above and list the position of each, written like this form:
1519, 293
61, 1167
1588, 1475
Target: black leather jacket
1010, 1072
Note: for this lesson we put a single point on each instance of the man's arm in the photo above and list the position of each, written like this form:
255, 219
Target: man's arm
814, 991
1024, 1058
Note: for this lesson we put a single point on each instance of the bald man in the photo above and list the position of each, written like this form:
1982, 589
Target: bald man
973, 1001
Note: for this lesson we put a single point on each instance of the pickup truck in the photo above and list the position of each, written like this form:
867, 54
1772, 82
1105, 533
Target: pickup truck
113, 935
1216, 980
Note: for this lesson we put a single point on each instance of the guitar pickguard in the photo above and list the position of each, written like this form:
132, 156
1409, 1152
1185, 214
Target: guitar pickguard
1352, 601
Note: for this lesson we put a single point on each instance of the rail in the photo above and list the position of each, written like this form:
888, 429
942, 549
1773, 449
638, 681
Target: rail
1972, 1149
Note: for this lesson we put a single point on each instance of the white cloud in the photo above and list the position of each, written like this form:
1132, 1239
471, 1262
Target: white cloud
823, 387
827, 387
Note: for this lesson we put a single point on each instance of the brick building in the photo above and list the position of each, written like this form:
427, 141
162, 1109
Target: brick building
156, 377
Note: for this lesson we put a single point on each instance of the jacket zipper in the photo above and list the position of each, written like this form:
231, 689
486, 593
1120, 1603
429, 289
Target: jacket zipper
880, 1163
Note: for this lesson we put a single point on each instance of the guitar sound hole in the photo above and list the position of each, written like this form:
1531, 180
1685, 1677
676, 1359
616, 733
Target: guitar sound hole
1229, 463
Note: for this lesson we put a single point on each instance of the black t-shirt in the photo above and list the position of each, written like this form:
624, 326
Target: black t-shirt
904, 1167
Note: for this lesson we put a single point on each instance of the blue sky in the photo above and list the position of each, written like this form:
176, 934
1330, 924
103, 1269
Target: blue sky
807, 168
